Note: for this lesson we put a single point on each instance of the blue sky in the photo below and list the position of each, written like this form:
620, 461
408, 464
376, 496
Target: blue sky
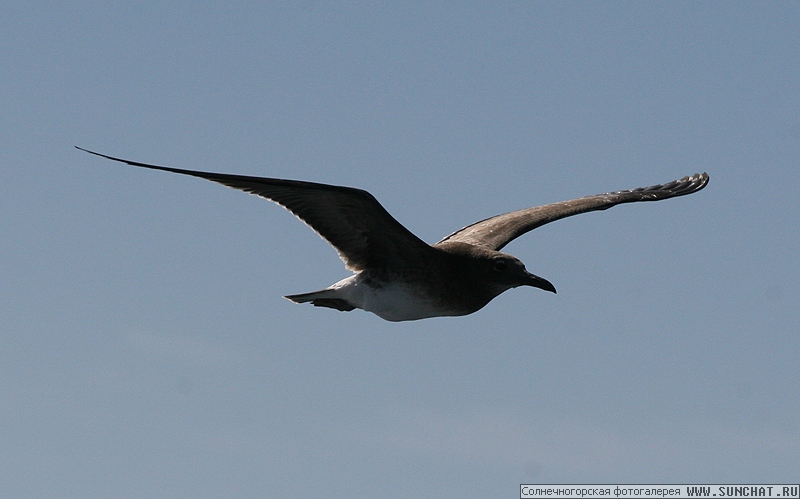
145, 349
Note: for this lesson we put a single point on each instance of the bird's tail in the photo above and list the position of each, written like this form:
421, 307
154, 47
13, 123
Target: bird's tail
322, 298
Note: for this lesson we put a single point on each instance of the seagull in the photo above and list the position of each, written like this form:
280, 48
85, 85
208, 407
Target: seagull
399, 277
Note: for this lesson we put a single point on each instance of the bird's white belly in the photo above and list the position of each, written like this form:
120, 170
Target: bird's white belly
395, 301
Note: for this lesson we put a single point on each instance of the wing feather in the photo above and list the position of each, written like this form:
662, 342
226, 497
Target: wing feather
497, 231
351, 220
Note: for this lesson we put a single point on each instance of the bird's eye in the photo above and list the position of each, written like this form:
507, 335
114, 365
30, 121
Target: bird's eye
500, 265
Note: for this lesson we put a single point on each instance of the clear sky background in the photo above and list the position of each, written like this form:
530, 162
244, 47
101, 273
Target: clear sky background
145, 348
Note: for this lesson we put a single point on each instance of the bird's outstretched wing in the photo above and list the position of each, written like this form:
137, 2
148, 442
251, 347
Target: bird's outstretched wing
351, 220
496, 232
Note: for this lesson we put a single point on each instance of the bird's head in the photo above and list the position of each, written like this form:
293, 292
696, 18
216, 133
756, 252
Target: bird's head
509, 272
500, 270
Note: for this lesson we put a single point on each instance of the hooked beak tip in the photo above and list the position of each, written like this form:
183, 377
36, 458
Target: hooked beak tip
541, 283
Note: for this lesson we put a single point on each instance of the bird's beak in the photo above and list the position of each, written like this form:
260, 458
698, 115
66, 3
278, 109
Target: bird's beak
539, 282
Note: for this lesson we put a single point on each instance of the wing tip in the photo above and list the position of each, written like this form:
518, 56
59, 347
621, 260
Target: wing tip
112, 158
686, 185
87, 150
693, 183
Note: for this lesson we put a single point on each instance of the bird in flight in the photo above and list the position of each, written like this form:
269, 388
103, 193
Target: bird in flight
399, 277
